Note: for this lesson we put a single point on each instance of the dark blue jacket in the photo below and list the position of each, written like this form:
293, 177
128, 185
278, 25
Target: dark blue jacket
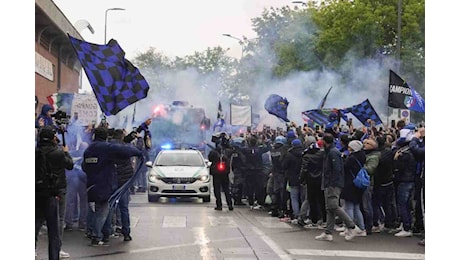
351, 168
405, 167
99, 165
292, 163
333, 172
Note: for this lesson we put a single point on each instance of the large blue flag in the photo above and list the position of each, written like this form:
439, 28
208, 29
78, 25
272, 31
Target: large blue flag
401, 95
363, 112
277, 106
116, 82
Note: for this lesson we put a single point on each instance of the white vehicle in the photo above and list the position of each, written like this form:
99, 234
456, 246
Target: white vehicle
179, 173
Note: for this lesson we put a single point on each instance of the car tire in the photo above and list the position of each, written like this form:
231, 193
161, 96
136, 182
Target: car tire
207, 199
153, 198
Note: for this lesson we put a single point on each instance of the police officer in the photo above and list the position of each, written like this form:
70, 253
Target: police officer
220, 169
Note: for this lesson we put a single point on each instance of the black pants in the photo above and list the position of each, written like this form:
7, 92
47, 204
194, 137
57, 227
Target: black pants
384, 197
315, 197
255, 188
221, 184
47, 209
418, 224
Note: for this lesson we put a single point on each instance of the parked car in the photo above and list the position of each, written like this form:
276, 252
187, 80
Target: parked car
179, 173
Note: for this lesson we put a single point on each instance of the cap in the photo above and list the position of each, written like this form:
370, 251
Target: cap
355, 145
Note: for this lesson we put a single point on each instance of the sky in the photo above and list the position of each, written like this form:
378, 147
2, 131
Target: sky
176, 28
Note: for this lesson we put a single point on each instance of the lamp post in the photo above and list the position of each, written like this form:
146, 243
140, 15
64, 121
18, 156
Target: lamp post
299, 2
239, 41
105, 24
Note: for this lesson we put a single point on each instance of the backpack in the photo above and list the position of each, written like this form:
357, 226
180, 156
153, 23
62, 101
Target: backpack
45, 180
362, 179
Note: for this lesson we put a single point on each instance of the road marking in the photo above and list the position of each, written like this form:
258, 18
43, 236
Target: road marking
362, 254
203, 240
222, 221
279, 251
271, 222
174, 221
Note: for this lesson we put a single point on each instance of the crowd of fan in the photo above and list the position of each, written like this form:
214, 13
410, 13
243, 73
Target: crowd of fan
281, 171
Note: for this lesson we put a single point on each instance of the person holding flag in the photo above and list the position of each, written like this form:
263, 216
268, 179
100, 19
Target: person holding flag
99, 164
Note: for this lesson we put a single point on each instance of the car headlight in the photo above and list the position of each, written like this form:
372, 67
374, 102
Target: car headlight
204, 178
153, 178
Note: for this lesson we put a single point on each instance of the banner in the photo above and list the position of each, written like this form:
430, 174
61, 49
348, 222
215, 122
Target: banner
85, 109
401, 95
240, 115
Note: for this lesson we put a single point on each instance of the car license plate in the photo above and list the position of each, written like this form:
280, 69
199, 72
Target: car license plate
179, 187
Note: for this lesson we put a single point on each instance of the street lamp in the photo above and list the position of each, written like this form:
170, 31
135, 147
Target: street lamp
105, 24
299, 2
239, 41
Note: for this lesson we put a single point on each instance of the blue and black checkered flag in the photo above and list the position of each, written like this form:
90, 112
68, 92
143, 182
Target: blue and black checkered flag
363, 112
325, 116
116, 82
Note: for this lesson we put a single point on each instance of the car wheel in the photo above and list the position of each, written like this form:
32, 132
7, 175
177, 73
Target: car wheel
153, 198
207, 199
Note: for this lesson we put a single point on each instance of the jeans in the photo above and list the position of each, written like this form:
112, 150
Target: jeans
76, 199
405, 190
124, 213
46, 209
354, 211
331, 197
62, 204
100, 216
384, 197
367, 209
295, 200
305, 205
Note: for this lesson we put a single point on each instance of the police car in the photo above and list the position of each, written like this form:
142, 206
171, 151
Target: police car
179, 173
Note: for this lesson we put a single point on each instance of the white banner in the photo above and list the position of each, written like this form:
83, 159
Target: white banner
240, 115
44, 67
85, 106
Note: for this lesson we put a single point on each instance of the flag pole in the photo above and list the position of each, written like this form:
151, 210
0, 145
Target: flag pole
134, 115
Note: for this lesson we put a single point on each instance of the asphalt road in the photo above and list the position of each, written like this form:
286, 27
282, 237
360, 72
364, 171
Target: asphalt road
189, 229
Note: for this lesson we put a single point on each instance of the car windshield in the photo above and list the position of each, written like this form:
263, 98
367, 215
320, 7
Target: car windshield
180, 159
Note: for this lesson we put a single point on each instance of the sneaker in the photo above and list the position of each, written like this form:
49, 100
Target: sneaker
324, 237
295, 221
218, 208
403, 233
285, 219
377, 229
396, 230
361, 233
127, 238
83, 229
68, 228
340, 228
311, 225
115, 235
421, 242
301, 222
352, 233
343, 233
99, 243
257, 207
63, 254
230, 208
